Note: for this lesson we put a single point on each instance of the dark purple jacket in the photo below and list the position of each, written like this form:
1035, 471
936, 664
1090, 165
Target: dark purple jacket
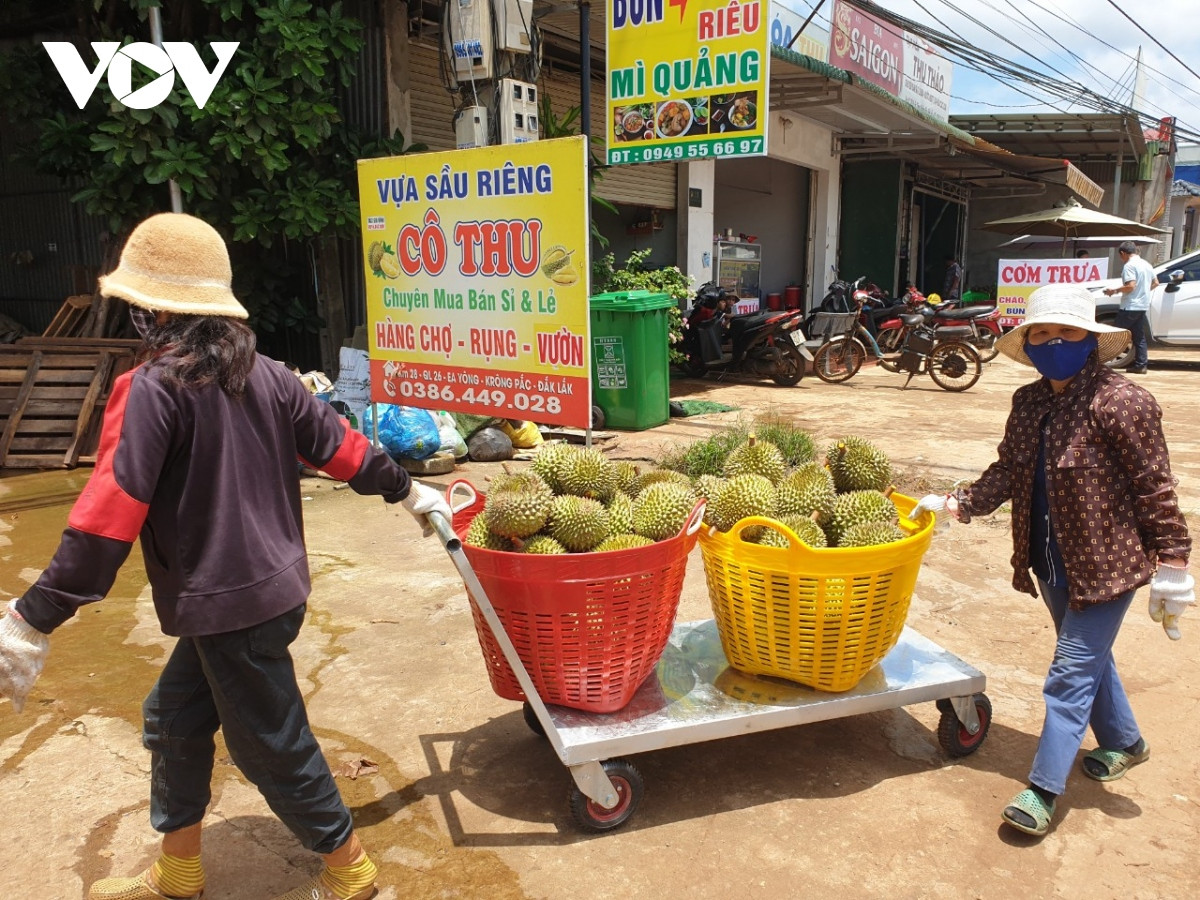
1108, 482
211, 484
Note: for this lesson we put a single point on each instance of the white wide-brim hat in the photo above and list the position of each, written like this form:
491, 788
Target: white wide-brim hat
177, 263
1063, 304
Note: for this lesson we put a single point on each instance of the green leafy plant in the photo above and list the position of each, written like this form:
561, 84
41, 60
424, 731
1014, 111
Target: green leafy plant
635, 275
269, 161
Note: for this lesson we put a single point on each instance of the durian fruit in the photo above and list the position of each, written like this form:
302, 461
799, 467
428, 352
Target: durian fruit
578, 523
868, 534
709, 487
662, 509
479, 535
519, 509
551, 462
858, 465
805, 528
620, 513
856, 507
627, 476
756, 457
589, 473
622, 542
807, 490
542, 544
658, 476
524, 480
745, 495
375, 255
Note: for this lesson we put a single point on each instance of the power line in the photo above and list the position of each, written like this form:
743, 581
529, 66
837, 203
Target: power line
1157, 42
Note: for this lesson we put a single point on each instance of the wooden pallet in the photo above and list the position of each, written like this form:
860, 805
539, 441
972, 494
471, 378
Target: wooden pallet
52, 399
70, 318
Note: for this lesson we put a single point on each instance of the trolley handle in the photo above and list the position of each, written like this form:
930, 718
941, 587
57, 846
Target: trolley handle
464, 487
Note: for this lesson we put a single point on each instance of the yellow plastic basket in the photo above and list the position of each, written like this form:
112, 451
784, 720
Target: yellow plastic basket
820, 617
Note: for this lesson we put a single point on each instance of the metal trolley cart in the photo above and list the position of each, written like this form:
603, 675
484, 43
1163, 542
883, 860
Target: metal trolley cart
694, 695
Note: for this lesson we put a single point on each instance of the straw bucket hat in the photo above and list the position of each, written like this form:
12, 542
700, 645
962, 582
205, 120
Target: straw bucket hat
176, 263
1063, 304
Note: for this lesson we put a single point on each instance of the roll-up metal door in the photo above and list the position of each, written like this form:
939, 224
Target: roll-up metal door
644, 184
431, 105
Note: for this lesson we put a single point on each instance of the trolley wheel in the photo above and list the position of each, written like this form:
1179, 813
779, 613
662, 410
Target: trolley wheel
591, 816
792, 363
953, 735
838, 360
532, 720
598, 419
954, 366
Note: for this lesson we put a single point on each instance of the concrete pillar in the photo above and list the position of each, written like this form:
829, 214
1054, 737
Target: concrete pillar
694, 229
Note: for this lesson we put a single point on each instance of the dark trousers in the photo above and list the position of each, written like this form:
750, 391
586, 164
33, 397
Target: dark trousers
1135, 322
242, 682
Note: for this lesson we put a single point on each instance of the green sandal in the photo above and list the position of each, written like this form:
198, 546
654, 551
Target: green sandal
1029, 804
1112, 764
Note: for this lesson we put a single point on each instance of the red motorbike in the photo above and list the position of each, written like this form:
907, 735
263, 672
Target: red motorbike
977, 325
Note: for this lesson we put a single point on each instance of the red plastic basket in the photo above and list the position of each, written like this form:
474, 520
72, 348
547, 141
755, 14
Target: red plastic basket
588, 627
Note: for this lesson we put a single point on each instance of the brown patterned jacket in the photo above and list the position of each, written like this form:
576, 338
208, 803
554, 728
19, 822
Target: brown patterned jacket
1108, 480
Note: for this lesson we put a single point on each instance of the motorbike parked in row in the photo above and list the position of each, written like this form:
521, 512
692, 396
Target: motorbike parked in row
976, 324
764, 344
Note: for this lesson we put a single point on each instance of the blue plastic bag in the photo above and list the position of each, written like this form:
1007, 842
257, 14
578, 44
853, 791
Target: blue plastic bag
404, 431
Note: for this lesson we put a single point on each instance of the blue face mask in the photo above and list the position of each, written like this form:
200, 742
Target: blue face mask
1060, 359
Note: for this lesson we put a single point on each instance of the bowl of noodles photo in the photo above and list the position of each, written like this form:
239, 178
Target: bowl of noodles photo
634, 123
673, 118
743, 113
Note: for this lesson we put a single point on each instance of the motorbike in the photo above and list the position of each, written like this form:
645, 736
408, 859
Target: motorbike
860, 296
764, 344
978, 325
954, 365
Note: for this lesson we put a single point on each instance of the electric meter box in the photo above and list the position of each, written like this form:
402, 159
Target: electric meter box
516, 110
471, 128
515, 22
469, 38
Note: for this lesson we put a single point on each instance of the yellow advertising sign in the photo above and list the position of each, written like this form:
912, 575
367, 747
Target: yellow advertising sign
1016, 279
687, 79
476, 266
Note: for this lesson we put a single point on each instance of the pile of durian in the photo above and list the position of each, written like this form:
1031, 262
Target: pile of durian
843, 502
575, 500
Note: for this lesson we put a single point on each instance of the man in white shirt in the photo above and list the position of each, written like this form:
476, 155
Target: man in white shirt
1137, 281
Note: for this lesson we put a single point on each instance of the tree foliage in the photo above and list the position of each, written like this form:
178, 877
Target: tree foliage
268, 160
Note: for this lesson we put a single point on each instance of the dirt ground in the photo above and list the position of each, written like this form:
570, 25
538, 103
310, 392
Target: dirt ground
467, 802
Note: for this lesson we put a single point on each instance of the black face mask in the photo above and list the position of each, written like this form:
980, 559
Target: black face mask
143, 319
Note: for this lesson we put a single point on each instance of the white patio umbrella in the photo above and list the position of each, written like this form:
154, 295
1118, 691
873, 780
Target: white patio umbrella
1072, 221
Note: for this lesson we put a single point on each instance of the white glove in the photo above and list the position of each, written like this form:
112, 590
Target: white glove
1172, 591
421, 501
23, 652
934, 503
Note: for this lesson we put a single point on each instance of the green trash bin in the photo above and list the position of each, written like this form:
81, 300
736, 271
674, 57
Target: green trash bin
630, 368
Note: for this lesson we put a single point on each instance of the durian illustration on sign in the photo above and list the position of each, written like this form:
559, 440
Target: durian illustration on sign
557, 266
382, 260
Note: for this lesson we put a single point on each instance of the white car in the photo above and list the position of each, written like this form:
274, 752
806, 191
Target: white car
1174, 313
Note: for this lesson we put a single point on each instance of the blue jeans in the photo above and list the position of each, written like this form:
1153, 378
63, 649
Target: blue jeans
1082, 687
242, 682
1134, 320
